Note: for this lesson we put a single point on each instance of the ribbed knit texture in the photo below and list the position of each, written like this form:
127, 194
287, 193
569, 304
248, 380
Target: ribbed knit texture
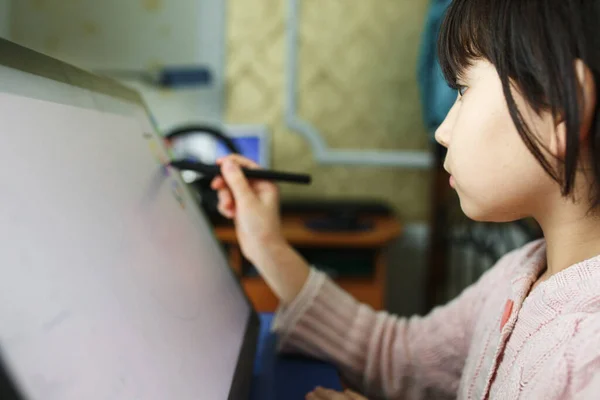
547, 348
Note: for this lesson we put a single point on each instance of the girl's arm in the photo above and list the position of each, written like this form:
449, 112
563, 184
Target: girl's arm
378, 353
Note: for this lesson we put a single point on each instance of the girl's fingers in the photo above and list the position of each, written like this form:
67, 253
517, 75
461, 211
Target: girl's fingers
226, 213
240, 160
225, 203
353, 395
225, 198
263, 189
218, 183
315, 396
328, 394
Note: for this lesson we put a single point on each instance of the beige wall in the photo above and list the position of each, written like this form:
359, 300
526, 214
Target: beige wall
357, 86
357, 77
132, 35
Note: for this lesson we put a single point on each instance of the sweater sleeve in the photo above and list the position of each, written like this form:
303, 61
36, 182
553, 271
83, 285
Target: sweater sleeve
380, 354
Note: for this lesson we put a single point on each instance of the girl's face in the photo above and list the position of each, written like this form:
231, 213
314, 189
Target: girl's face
495, 175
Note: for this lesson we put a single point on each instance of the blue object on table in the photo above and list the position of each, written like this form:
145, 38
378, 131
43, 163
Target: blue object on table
249, 147
184, 76
437, 97
278, 377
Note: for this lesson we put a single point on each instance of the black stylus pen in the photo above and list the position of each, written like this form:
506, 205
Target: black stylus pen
214, 170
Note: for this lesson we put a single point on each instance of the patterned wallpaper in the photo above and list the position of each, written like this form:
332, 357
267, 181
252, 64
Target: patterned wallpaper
357, 86
357, 76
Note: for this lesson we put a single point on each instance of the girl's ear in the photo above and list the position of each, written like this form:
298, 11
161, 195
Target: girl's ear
587, 107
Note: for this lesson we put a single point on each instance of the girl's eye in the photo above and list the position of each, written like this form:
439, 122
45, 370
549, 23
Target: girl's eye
462, 90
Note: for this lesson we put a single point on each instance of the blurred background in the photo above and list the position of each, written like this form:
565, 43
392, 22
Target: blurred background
346, 90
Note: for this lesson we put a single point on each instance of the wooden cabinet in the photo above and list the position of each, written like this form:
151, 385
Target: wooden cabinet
369, 247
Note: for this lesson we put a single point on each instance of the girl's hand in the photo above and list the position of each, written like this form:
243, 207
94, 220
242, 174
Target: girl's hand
327, 394
253, 205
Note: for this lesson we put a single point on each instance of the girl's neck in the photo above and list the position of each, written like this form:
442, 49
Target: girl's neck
572, 235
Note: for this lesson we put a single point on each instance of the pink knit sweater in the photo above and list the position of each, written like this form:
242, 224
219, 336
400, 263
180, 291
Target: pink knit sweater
495, 341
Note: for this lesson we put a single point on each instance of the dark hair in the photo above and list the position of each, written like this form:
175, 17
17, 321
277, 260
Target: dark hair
533, 44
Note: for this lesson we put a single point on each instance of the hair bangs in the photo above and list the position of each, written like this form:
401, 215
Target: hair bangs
463, 38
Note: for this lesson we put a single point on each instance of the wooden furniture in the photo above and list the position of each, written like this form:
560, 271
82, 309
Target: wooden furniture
368, 289
439, 254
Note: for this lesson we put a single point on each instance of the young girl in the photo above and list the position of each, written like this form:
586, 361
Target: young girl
523, 140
